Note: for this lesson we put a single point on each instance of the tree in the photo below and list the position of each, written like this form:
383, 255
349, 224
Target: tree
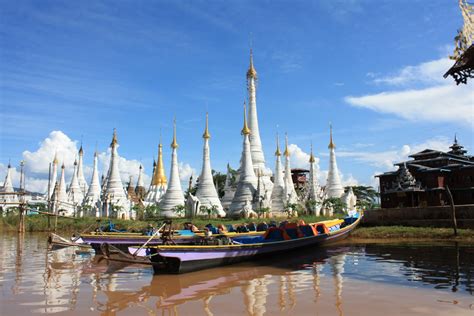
139, 211
367, 196
179, 209
336, 204
151, 211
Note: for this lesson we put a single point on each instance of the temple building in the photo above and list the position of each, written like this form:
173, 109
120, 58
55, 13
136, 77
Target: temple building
229, 190
206, 191
258, 158
59, 199
92, 199
80, 172
115, 202
158, 180
8, 197
334, 186
244, 197
140, 190
53, 175
74, 193
290, 193
423, 181
314, 192
278, 198
173, 199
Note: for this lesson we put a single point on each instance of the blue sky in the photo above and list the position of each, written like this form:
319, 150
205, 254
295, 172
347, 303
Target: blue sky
372, 68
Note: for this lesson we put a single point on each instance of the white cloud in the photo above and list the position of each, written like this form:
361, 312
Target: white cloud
386, 159
127, 168
428, 72
37, 162
439, 101
299, 158
186, 171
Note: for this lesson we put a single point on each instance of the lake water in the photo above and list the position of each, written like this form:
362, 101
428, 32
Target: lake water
344, 279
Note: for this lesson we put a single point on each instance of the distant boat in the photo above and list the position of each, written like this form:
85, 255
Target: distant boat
56, 242
227, 250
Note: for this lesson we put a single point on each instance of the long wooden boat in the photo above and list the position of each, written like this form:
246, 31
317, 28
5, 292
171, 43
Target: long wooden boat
123, 241
56, 242
186, 258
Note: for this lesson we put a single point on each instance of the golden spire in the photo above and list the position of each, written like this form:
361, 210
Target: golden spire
311, 156
331, 144
206, 134
277, 152
159, 177
174, 144
245, 129
81, 152
251, 73
55, 160
114, 139
287, 152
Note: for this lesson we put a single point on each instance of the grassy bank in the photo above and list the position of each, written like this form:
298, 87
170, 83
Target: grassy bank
415, 233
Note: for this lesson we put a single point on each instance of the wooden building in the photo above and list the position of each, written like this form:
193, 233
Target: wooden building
423, 180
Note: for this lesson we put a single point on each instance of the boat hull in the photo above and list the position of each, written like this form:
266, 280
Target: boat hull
182, 259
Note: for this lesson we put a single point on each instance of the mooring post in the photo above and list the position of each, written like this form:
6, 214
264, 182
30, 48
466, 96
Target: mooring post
453, 210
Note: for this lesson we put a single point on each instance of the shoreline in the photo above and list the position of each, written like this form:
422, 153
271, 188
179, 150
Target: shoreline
378, 234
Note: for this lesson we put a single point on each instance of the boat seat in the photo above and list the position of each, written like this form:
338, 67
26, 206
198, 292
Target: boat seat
308, 230
321, 228
276, 234
248, 240
230, 228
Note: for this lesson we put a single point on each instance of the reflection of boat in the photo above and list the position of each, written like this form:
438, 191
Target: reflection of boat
174, 290
186, 258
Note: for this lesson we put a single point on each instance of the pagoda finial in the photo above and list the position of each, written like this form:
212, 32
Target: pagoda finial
277, 152
9, 163
174, 144
311, 156
206, 134
251, 72
287, 152
245, 129
55, 160
331, 143
81, 151
114, 139
455, 139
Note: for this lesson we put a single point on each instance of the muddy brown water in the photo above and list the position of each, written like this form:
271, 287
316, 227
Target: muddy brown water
343, 279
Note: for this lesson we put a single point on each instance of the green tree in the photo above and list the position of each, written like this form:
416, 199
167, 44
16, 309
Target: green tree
367, 196
152, 211
336, 203
139, 211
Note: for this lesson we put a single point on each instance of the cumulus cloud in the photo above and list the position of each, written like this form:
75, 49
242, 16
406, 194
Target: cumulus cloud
185, 172
299, 158
386, 159
439, 101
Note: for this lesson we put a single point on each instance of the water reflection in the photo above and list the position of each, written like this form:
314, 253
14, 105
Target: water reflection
326, 280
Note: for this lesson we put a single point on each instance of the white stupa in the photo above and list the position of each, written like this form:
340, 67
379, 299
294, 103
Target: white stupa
158, 182
115, 202
229, 191
80, 172
334, 186
314, 190
173, 197
140, 190
74, 193
290, 193
92, 198
247, 183
278, 193
258, 158
53, 176
8, 200
206, 191
61, 203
